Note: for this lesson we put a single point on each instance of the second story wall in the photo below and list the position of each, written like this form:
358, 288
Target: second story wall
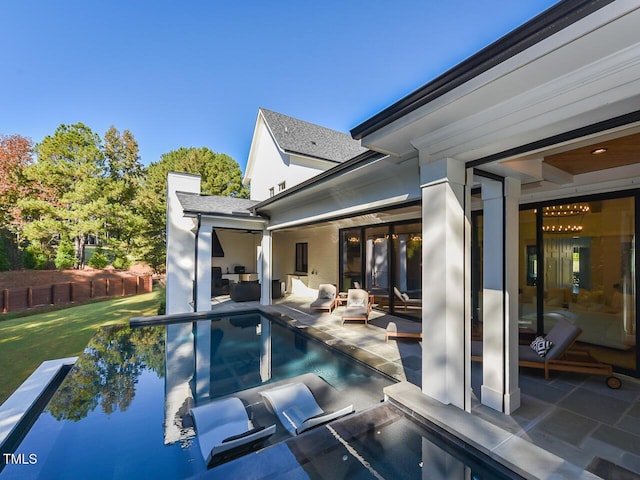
274, 169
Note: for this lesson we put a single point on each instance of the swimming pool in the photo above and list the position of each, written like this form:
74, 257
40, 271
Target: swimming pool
113, 414
121, 411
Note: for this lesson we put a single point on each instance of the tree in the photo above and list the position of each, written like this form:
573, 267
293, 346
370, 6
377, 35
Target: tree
125, 227
220, 175
16, 153
67, 181
80, 187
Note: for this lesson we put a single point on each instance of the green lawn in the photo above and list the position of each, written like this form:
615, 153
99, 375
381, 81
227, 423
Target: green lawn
26, 342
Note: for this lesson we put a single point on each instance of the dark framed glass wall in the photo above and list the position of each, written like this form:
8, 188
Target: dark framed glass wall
578, 262
385, 260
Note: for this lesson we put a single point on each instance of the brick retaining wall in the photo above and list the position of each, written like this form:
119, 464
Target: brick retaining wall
15, 299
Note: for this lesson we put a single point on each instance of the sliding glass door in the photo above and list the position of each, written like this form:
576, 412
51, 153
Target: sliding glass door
385, 260
577, 261
377, 264
351, 254
407, 272
589, 274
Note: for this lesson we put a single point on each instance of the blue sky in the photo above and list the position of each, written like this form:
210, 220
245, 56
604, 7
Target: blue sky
194, 73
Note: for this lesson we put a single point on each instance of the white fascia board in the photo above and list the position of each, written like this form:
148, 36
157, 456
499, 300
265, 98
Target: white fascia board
251, 160
396, 138
586, 184
307, 161
350, 211
236, 223
606, 82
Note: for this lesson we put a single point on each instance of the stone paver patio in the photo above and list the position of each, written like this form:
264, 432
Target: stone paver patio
576, 417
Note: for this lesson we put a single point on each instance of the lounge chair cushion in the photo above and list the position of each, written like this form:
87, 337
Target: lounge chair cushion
358, 307
223, 427
541, 346
525, 354
322, 303
562, 335
297, 409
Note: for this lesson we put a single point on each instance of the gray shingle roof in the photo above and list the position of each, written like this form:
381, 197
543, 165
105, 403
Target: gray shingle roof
212, 204
297, 136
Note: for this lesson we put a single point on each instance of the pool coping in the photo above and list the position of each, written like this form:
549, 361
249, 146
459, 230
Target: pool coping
14, 410
515, 453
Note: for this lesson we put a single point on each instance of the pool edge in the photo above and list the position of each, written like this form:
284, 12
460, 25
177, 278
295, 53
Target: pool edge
14, 410
515, 453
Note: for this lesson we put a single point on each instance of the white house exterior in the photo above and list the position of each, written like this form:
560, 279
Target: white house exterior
457, 198
286, 151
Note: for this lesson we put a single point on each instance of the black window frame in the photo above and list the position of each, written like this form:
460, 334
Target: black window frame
302, 257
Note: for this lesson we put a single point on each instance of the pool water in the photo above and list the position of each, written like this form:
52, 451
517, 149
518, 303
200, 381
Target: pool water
121, 411
111, 417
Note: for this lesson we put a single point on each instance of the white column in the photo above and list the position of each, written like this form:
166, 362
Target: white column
180, 245
500, 279
203, 280
265, 277
444, 281
512, 267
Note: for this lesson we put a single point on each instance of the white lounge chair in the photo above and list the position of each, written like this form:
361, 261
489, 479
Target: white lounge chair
358, 306
225, 431
297, 409
326, 300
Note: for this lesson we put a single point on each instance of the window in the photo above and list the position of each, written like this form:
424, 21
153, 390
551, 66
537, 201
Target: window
302, 257
282, 186
271, 192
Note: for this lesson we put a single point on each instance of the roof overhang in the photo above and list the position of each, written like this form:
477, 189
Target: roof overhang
232, 222
566, 69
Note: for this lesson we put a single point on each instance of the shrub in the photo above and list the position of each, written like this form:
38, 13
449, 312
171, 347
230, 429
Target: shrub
65, 256
121, 263
35, 258
162, 297
4, 257
98, 260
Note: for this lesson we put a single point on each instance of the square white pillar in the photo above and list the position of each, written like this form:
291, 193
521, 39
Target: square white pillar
203, 269
444, 281
265, 274
500, 389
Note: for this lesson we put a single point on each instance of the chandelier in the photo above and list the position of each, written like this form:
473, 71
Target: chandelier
560, 212
566, 210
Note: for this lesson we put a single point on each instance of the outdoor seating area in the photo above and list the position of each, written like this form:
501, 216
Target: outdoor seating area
556, 352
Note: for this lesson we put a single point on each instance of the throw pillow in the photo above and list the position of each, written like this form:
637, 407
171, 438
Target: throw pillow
356, 303
541, 346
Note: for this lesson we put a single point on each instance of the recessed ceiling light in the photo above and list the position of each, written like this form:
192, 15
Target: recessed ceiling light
598, 151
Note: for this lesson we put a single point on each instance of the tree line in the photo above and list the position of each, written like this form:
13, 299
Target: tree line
74, 188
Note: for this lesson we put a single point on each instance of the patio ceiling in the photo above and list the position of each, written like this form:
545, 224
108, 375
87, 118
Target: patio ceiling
600, 155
